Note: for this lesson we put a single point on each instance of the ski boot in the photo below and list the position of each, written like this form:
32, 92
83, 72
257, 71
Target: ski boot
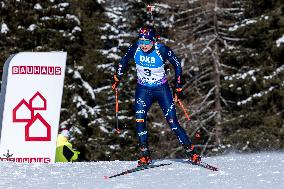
191, 154
145, 158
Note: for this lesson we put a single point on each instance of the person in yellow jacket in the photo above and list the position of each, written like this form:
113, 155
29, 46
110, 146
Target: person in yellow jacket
64, 150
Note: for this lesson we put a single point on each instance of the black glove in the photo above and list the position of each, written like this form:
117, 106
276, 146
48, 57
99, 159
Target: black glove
116, 82
178, 94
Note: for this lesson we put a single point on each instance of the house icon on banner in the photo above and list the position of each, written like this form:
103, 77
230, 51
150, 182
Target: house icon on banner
38, 102
37, 128
22, 112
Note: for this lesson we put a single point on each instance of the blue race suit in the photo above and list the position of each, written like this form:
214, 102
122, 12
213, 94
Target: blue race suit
153, 86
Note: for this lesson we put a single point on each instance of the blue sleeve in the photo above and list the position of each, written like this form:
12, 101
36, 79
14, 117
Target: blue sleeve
169, 55
122, 66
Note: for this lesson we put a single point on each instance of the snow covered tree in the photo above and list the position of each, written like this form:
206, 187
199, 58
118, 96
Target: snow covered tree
114, 37
199, 33
81, 113
255, 84
37, 26
46, 25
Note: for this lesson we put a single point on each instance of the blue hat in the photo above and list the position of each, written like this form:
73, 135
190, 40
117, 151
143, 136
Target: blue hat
147, 32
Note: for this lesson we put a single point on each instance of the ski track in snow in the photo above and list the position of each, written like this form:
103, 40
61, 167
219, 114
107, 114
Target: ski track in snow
259, 171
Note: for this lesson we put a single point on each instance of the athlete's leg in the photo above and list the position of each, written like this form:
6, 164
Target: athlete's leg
165, 100
143, 102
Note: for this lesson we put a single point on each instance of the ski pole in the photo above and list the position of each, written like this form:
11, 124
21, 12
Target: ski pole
116, 110
182, 107
197, 134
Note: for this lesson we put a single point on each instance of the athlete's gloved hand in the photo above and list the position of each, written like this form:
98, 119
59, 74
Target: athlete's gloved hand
116, 82
178, 94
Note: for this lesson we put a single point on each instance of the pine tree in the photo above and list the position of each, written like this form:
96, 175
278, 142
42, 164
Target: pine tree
80, 113
255, 84
199, 34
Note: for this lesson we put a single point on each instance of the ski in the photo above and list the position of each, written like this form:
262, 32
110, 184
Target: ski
136, 169
204, 165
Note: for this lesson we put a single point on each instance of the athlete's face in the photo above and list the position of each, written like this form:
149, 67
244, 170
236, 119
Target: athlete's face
145, 44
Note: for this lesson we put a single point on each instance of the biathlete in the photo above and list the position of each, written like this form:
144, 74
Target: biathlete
152, 85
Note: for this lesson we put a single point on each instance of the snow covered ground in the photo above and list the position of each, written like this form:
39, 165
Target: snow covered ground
259, 171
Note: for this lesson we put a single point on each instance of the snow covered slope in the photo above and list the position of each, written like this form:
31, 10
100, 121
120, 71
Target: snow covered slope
259, 171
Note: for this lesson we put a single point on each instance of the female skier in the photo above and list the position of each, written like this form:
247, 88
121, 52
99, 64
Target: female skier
152, 85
